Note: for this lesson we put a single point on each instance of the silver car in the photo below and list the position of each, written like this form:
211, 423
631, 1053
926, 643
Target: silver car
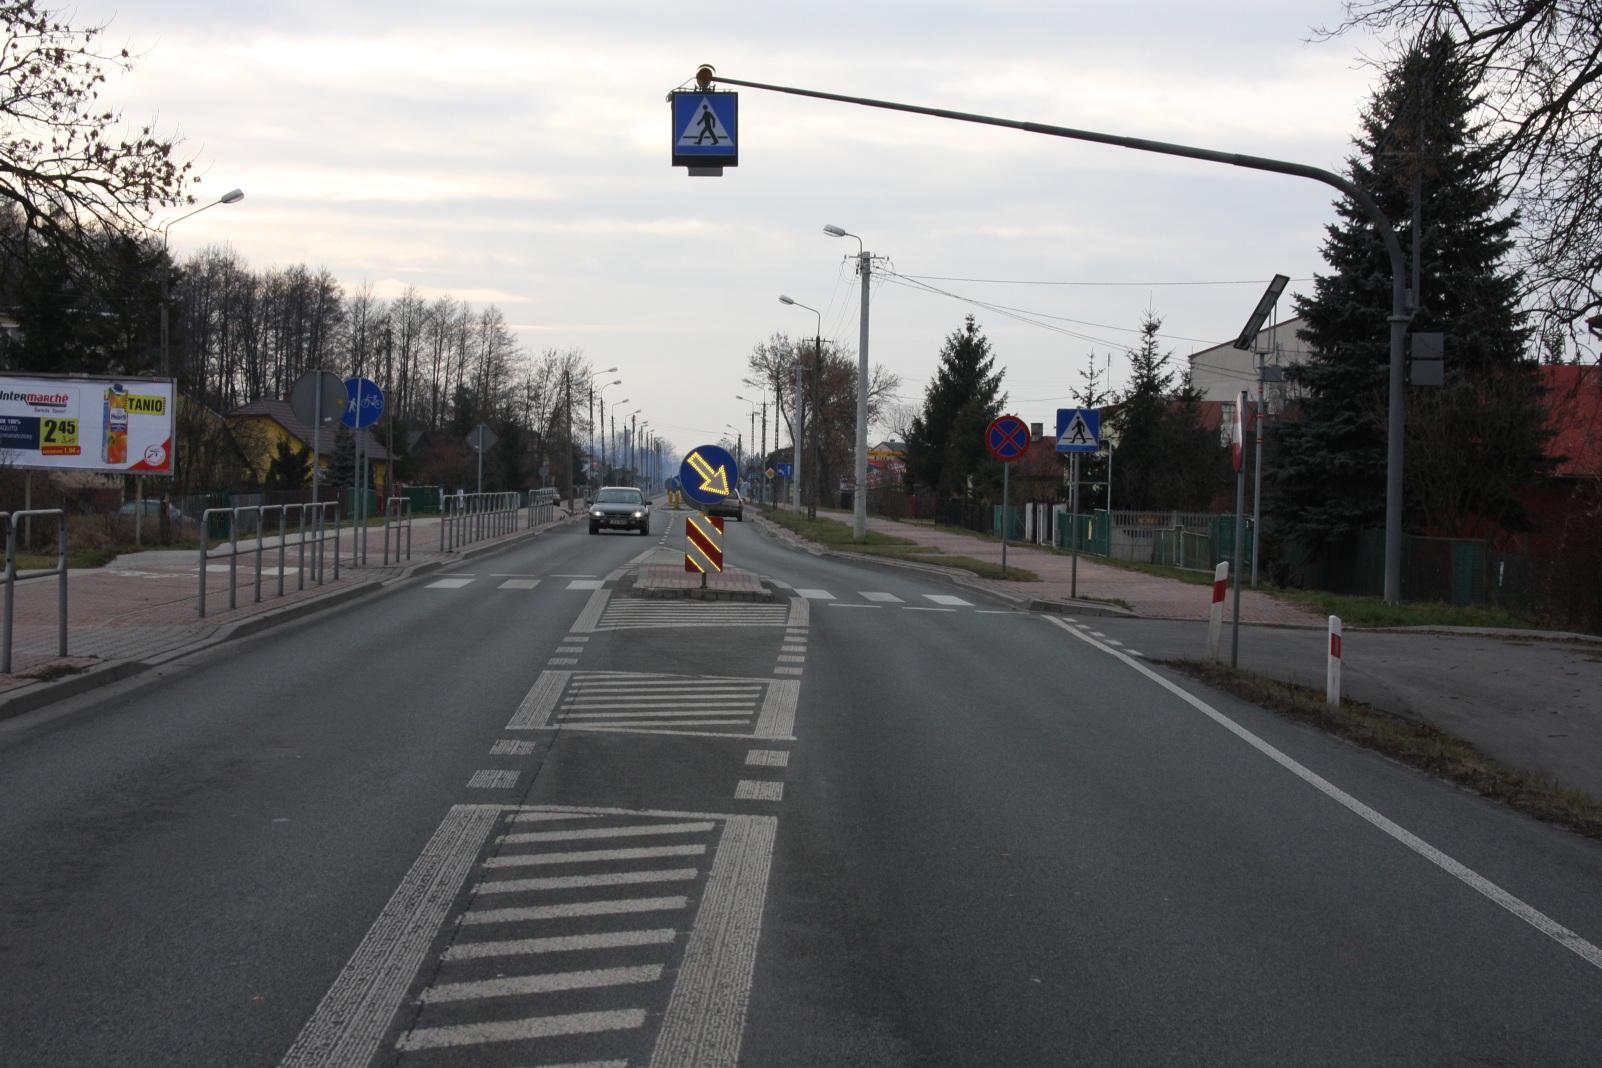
620, 508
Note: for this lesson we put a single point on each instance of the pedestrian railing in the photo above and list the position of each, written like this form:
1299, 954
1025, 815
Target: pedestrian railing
541, 507
60, 571
470, 517
400, 510
316, 517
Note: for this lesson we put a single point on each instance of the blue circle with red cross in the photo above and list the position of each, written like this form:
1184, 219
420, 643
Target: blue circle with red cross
1007, 438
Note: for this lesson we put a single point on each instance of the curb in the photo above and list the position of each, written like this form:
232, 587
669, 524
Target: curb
37, 695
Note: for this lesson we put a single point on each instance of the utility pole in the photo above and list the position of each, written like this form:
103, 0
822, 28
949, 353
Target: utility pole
798, 434
859, 492
567, 449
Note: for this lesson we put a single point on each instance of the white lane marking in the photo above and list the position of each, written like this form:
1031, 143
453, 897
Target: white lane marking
492, 779
925, 608
686, 700
574, 882
585, 584
1097, 634
793, 648
705, 1016
815, 595
946, 598
510, 574
993, 612
611, 907
548, 817
1114, 641
642, 556
578, 833
576, 638
575, 575
351, 1019
517, 947
703, 717
787, 671
592, 856
518, 584
758, 790
591, 616
842, 604
1564, 937
577, 1023
534, 711
569, 650
448, 584
792, 659
511, 748
778, 707
1134, 652
545, 983
561, 661
770, 758
886, 598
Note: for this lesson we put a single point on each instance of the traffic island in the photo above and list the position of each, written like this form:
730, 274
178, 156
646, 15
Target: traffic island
664, 583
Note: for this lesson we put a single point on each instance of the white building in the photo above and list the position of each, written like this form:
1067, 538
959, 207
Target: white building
1223, 370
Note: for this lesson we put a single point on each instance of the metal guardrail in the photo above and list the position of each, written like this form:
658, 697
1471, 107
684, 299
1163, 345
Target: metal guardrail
60, 570
470, 517
400, 508
319, 515
541, 507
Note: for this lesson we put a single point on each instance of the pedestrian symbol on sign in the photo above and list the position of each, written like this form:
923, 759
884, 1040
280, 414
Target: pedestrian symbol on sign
1078, 433
1078, 430
704, 126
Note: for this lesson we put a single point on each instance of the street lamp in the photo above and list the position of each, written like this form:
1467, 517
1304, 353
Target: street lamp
597, 374
800, 413
762, 451
233, 196
859, 496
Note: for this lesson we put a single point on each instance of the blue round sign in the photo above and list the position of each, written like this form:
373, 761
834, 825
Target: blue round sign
364, 403
709, 474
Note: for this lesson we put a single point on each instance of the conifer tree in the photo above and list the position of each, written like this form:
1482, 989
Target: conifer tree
945, 444
1166, 458
1472, 444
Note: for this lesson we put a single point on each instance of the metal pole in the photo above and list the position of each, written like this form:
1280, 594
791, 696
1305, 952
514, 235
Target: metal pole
481, 464
11, 586
1401, 307
61, 587
796, 433
1240, 536
1006, 470
859, 495
317, 437
1257, 473
1073, 524
139, 512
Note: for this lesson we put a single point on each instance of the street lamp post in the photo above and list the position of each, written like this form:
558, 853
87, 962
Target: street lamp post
589, 473
798, 432
859, 495
233, 196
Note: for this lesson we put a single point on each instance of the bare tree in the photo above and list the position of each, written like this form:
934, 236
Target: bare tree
62, 166
1539, 66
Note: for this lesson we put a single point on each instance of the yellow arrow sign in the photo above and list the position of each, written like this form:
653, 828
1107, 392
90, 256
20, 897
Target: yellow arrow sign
713, 479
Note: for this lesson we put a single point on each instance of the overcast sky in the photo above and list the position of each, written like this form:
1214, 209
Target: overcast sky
518, 153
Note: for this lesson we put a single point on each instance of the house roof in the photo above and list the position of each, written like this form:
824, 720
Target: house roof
1574, 415
281, 413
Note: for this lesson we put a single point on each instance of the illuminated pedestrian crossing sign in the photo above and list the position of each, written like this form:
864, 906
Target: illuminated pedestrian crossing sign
705, 130
1078, 430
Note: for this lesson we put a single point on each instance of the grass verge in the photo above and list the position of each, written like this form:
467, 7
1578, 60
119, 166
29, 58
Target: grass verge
1413, 743
837, 535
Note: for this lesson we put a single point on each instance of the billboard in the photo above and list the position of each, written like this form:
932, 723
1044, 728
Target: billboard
62, 423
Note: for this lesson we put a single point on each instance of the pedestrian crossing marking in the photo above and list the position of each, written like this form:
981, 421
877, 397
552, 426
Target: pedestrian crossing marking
711, 706
519, 584
586, 584
881, 598
448, 584
946, 598
815, 595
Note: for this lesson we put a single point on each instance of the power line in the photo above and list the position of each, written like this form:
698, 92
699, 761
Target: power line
1043, 282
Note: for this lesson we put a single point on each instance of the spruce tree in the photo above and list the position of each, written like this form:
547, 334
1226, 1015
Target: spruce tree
945, 444
1471, 445
1166, 459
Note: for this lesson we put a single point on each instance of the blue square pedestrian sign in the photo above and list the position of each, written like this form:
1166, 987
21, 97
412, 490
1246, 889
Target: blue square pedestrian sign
705, 129
1078, 430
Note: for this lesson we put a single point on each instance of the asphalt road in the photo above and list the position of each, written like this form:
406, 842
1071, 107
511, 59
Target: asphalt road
511, 815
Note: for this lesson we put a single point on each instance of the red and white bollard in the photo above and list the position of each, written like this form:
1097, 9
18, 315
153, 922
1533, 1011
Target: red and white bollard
1215, 621
1332, 673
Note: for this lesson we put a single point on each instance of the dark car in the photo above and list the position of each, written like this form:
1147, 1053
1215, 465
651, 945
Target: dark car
730, 507
620, 508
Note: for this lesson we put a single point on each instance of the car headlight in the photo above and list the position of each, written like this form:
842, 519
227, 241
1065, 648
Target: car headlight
639, 515
597, 515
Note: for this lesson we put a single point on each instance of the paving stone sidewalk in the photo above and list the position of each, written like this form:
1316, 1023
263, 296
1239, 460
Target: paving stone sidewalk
142, 608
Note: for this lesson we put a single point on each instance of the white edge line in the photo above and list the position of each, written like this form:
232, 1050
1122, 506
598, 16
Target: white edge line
1564, 937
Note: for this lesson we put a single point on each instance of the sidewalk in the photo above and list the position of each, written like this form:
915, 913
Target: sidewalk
1527, 698
142, 608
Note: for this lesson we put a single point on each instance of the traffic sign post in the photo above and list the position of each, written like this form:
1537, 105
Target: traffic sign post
1078, 432
1238, 450
364, 405
480, 439
1007, 437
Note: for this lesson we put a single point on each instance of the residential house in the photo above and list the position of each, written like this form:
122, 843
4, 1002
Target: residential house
260, 425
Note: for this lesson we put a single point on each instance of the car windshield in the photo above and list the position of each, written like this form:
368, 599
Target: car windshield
619, 496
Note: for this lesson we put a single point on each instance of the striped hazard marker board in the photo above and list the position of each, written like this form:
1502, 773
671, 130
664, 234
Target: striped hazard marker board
703, 543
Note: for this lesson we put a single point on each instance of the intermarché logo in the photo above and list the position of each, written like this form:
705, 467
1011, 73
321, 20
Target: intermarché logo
38, 400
